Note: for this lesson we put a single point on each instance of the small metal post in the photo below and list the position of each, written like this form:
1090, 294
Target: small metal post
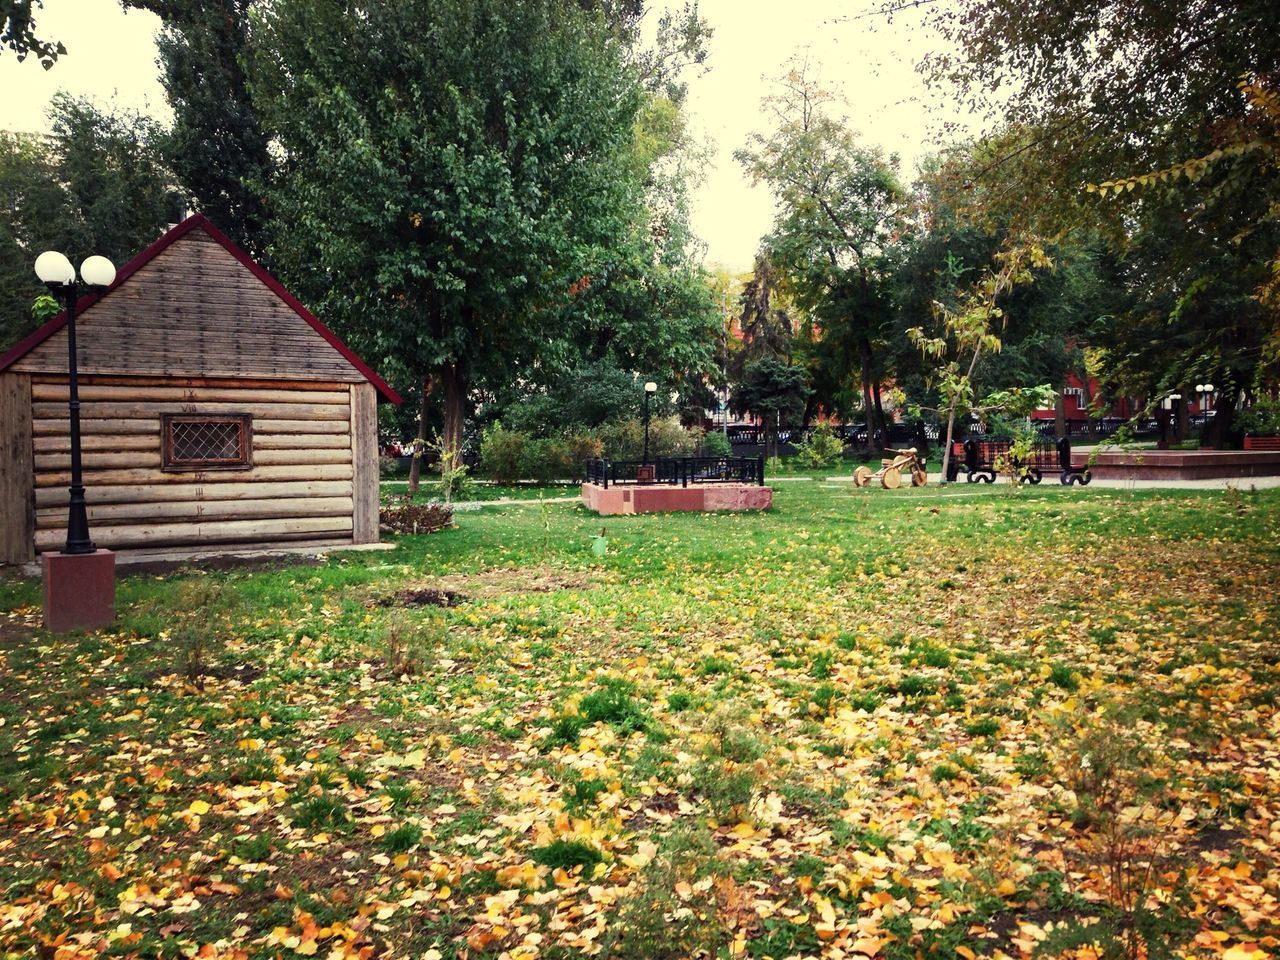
646, 427
77, 516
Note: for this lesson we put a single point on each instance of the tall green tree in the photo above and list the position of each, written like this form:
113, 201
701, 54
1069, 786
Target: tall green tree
452, 168
97, 184
1113, 97
774, 391
838, 225
216, 147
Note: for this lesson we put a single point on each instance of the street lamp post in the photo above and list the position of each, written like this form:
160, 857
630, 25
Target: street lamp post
650, 388
1167, 405
1205, 393
79, 582
56, 272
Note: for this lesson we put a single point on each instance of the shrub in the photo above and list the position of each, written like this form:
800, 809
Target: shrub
581, 448
509, 455
502, 452
624, 439
389, 468
822, 449
201, 615
716, 444
404, 516
409, 647
1262, 418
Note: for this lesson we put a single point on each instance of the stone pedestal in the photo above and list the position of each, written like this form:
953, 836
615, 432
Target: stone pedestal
79, 590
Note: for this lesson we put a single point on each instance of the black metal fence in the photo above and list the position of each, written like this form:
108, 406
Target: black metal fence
851, 433
677, 471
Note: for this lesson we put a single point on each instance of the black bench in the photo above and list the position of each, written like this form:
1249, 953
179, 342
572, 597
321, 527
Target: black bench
980, 455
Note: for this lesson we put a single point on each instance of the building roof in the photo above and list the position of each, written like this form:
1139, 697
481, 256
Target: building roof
201, 222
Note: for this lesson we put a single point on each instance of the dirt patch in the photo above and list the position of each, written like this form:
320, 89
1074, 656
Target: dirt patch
1217, 838
161, 568
455, 589
18, 631
425, 597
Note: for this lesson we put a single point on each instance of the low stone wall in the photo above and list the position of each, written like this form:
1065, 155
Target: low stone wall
1184, 464
661, 497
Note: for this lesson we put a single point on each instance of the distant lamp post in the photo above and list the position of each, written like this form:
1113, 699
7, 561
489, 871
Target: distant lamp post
79, 583
1205, 392
650, 388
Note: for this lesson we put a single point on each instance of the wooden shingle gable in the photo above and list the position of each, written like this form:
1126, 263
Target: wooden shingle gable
193, 304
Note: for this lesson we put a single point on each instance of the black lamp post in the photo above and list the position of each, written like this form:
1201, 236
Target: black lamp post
56, 272
650, 388
1205, 392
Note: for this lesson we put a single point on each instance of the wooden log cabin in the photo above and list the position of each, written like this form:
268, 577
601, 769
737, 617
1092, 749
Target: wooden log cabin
217, 414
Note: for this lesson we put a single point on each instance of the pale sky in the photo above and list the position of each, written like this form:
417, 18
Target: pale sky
112, 54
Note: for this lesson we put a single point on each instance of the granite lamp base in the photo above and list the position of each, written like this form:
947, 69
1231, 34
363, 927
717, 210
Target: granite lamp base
79, 590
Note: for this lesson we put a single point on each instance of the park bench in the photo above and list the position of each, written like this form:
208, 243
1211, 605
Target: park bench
978, 456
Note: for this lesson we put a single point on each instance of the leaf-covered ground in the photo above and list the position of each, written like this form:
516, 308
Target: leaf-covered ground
902, 724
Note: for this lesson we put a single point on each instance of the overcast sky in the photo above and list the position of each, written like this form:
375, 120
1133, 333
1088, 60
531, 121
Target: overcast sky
112, 54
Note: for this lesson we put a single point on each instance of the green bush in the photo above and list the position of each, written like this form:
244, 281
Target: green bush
502, 453
624, 439
716, 444
822, 449
508, 455
1262, 419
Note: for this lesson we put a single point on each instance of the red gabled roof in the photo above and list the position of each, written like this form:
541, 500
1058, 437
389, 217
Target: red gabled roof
193, 222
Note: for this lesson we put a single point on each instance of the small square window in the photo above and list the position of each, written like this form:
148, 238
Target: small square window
205, 443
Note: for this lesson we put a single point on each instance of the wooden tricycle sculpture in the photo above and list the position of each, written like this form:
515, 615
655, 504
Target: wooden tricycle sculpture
890, 474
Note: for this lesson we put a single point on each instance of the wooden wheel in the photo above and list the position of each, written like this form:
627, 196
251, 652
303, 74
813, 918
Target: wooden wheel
919, 477
892, 478
862, 476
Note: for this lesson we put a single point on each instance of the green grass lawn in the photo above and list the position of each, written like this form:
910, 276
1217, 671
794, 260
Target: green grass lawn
913, 724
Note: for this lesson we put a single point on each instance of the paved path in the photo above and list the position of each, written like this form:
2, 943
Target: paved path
1240, 483
462, 506
969, 490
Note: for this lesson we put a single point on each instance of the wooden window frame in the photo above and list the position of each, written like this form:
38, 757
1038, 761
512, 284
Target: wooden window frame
170, 464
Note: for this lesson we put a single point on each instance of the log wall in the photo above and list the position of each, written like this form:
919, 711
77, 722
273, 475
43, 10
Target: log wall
302, 484
16, 481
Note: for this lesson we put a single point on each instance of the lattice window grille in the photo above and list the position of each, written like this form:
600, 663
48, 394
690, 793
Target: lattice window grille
203, 442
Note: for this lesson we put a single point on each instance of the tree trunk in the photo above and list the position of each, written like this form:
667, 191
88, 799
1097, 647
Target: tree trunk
870, 400
880, 419
454, 383
1086, 391
946, 443
1217, 432
1183, 414
420, 442
1059, 415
